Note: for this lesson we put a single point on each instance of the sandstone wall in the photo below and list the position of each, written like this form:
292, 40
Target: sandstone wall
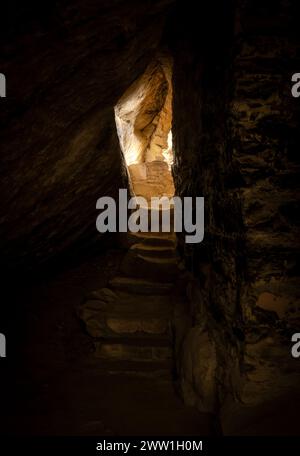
209, 352
265, 144
66, 65
235, 140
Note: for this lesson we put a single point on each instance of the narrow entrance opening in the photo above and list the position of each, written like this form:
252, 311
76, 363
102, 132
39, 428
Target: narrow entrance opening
144, 119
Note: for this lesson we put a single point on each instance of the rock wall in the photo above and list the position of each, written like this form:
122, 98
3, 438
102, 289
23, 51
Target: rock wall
66, 64
265, 139
138, 112
235, 140
209, 352
143, 119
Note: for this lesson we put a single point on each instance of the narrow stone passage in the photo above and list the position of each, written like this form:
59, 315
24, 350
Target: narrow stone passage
130, 322
130, 319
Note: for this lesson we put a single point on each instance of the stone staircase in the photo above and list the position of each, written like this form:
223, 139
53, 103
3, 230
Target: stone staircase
130, 318
152, 178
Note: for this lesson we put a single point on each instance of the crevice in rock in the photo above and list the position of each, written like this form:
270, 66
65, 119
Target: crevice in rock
159, 99
144, 119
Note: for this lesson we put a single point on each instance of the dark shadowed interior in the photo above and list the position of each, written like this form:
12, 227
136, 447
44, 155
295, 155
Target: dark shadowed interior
143, 333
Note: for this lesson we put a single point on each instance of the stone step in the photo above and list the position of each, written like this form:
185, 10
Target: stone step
153, 239
158, 220
144, 324
122, 301
127, 314
135, 265
148, 369
151, 188
138, 349
158, 251
140, 286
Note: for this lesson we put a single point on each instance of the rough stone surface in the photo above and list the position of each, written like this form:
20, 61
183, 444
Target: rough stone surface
264, 128
203, 166
236, 145
152, 179
236, 142
131, 319
144, 118
264, 133
143, 114
59, 145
